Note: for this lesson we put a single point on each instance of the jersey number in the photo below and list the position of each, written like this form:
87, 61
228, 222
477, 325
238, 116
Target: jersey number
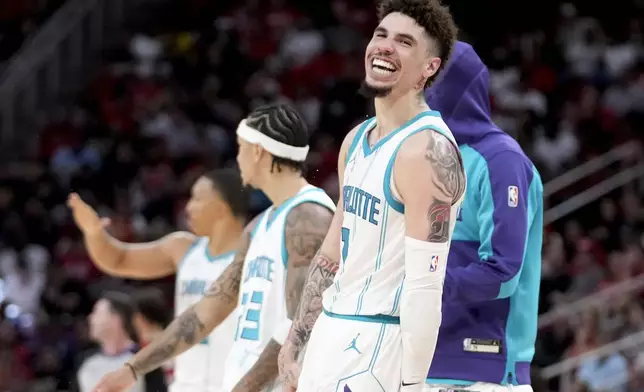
345, 243
250, 327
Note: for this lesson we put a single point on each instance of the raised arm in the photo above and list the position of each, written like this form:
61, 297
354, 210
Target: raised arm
193, 325
306, 226
427, 200
190, 328
320, 275
149, 260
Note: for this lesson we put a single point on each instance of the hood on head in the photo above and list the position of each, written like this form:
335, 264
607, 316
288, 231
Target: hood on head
461, 95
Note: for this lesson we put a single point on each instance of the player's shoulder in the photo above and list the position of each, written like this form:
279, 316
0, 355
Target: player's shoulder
178, 243
498, 154
354, 134
426, 148
308, 214
180, 237
249, 229
359, 128
498, 145
348, 138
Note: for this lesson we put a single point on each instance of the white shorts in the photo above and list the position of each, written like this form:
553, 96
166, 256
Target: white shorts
479, 387
352, 356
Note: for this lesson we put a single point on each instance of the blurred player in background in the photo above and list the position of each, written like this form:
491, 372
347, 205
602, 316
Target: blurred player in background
217, 210
110, 325
491, 291
402, 183
267, 275
150, 319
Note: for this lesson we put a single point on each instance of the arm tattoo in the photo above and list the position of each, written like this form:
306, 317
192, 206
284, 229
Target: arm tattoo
438, 217
321, 274
448, 179
183, 332
226, 287
446, 163
198, 321
306, 227
263, 371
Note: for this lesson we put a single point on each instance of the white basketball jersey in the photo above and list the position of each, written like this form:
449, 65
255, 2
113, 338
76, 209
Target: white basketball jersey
202, 367
262, 301
369, 281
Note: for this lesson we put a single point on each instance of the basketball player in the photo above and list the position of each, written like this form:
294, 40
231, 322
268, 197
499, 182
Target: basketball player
216, 213
490, 301
269, 270
402, 185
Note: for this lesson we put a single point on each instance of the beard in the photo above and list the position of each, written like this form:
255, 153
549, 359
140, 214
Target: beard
369, 91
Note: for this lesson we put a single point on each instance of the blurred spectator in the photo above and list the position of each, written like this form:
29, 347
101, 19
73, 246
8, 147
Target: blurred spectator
605, 372
24, 287
151, 318
111, 327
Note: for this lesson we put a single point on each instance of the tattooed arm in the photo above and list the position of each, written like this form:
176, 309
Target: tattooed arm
428, 199
193, 325
306, 227
320, 274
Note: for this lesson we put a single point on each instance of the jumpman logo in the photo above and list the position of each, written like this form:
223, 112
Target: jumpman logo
353, 346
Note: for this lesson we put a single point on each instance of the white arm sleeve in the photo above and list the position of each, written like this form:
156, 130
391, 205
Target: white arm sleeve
420, 306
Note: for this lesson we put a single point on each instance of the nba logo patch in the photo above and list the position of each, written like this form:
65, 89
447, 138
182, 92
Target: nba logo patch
433, 264
513, 196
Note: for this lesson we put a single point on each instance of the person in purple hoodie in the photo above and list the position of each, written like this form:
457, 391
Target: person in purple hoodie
491, 290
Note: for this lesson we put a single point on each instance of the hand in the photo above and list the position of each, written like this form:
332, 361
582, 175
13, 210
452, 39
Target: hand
289, 368
117, 381
85, 216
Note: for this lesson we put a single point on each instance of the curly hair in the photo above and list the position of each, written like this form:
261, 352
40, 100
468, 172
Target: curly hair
433, 17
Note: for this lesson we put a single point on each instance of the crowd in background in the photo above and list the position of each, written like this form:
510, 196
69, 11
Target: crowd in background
165, 106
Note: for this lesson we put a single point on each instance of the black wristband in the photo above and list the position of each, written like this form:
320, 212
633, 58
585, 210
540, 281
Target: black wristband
134, 373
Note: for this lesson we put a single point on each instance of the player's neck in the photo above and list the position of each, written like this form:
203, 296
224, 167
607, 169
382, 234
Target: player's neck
393, 111
116, 345
224, 236
282, 186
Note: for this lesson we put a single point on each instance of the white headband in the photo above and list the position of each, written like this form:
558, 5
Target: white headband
276, 148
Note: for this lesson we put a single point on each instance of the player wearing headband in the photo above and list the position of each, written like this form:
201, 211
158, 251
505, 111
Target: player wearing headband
266, 277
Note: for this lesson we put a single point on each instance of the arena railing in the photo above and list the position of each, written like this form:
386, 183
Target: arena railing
596, 300
55, 61
571, 364
588, 168
580, 200
617, 180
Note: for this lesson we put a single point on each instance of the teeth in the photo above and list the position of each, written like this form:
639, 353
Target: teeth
383, 64
381, 71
